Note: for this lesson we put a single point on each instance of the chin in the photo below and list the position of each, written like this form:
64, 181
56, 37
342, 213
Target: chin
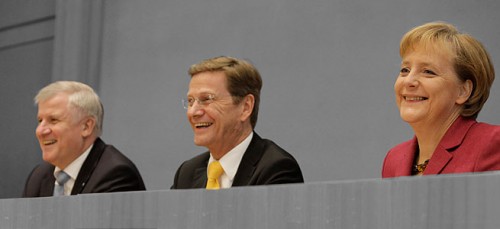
199, 142
410, 116
48, 159
410, 119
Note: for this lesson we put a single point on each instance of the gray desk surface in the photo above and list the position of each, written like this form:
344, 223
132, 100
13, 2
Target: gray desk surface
453, 201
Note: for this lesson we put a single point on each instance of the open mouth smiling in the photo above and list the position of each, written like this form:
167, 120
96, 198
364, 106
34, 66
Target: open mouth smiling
48, 142
414, 98
203, 124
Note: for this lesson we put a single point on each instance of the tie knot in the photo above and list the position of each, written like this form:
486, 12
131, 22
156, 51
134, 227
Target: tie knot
62, 177
215, 170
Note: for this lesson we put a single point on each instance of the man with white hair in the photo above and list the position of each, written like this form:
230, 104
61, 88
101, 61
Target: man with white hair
77, 161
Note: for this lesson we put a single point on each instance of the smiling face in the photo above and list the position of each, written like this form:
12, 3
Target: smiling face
61, 131
217, 122
428, 90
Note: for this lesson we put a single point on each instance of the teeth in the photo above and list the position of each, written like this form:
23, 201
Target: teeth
49, 142
203, 124
415, 98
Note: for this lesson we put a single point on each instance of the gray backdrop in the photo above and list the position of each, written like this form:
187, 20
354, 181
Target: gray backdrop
26, 44
328, 68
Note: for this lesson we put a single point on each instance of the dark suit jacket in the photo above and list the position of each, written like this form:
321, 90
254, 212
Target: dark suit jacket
467, 146
104, 170
263, 163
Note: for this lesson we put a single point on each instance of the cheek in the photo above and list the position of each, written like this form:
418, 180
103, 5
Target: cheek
398, 84
397, 90
38, 131
217, 112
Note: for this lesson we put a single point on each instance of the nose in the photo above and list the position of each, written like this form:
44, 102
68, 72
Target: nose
411, 80
196, 110
42, 129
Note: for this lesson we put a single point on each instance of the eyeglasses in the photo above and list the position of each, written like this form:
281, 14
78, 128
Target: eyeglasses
203, 100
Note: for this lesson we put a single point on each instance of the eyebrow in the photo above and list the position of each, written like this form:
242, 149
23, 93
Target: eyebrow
425, 64
204, 92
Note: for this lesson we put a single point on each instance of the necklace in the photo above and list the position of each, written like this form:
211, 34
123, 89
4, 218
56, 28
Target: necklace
420, 168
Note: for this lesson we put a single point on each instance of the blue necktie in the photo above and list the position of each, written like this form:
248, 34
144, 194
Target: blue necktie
61, 178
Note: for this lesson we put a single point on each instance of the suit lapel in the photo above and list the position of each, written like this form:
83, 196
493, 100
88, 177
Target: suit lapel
200, 177
450, 141
438, 161
405, 164
47, 188
88, 166
249, 161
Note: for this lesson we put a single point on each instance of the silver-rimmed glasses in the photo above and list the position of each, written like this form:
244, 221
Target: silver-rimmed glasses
202, 100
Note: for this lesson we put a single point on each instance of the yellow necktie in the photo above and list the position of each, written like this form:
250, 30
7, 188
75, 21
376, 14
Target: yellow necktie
214, 172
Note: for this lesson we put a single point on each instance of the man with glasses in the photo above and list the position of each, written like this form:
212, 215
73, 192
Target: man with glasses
222, 107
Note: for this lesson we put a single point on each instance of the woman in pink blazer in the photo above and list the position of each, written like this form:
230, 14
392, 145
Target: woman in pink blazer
444, 81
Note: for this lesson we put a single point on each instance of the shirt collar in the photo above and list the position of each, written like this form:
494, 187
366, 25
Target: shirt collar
231, 160
74, 167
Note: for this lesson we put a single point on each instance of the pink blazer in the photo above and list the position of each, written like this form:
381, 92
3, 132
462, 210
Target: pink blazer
467, 146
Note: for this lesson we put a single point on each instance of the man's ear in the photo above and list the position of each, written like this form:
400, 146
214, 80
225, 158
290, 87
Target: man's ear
88, 126
248, 104
465, 92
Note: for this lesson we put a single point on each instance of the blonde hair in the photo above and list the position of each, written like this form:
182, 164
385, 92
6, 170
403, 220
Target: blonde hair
242, 79
81, 96
471, 60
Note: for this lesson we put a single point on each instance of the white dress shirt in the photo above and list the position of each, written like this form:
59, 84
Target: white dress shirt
231, 161
72, 170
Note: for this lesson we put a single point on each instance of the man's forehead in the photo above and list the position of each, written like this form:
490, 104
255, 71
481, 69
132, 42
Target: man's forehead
207, 83
55, 105
201, 91
206, 88
51, 112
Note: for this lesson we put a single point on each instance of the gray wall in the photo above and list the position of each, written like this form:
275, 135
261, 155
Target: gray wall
434, 202
26, 42
328, 68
